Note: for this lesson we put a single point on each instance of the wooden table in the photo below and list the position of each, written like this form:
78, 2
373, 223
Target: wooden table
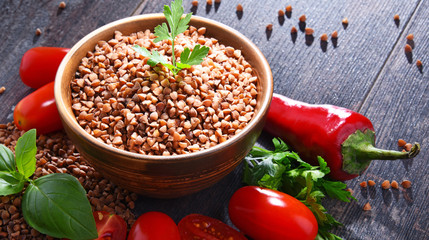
366, 70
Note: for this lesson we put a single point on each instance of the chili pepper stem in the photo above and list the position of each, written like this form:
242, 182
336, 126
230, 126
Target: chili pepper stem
358, 150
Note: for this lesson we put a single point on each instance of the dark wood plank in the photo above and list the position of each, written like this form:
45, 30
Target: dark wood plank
341, 75
60, 28
360, 72
398, 106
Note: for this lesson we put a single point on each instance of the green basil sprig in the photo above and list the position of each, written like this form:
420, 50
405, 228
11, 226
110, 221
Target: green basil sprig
55, 204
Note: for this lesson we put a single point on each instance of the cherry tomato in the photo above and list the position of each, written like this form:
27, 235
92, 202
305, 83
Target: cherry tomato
38, 110
110, 226
39, 65
267, 214
196, 226
154, 226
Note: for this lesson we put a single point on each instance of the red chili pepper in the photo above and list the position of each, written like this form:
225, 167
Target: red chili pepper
344, 138
38, 110
39, 65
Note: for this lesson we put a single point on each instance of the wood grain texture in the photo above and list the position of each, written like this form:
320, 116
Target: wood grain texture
341, 75
366, 70
60, 28
398, 106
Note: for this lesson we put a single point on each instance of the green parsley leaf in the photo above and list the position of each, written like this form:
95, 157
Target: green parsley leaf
154, 57
282, 169
177, 24
323, 165
174, 18
25, 151
162, 33
336, 190
182, 65
196, 56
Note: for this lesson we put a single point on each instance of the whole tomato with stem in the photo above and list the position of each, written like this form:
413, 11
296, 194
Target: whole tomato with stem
39, 65
197, 226
154, 226
38, 110
110, 226
262, 213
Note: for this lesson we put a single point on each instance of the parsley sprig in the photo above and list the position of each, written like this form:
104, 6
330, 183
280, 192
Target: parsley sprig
176, 25
285, 171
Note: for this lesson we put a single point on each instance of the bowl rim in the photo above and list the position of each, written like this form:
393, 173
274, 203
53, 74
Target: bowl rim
72, 123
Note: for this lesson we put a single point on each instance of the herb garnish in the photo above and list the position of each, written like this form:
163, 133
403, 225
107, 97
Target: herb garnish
176, 26
55, 204
283, 170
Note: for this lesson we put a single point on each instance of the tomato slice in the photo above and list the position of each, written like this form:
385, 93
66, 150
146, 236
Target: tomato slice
39, 65
38, 110
196, 226
154, 226
110, 226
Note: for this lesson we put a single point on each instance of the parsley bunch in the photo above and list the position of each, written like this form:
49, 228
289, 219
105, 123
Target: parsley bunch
285, 171
176, 26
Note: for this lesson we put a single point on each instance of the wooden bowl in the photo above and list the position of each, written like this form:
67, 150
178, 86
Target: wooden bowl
163, 176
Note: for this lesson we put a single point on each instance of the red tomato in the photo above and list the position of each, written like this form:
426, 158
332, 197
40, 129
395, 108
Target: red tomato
154, 226
38, 110
267, 214
196, 226
110, 226
39, 65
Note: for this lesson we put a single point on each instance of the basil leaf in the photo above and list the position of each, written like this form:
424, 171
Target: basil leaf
25, 152
56, 205
7, 159
11, 183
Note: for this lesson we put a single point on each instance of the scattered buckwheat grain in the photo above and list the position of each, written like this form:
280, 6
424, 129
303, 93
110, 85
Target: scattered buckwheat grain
209, 2
38, 32
62, 5
281, 13
408, 48
396, 17
419, 63
217, 1
293, 30
288, 8
239, 8
195, 3
57, 154
394, 184
345, 21
2, 89
363, 184
367, 207
371, 183
334, 34
406, 184
408, 147
270, 27
385, 184
309, 31
303, 18
324, 37
410, 37
401, 142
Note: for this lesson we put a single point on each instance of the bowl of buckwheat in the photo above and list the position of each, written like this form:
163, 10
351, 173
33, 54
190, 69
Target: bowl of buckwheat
164, 106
